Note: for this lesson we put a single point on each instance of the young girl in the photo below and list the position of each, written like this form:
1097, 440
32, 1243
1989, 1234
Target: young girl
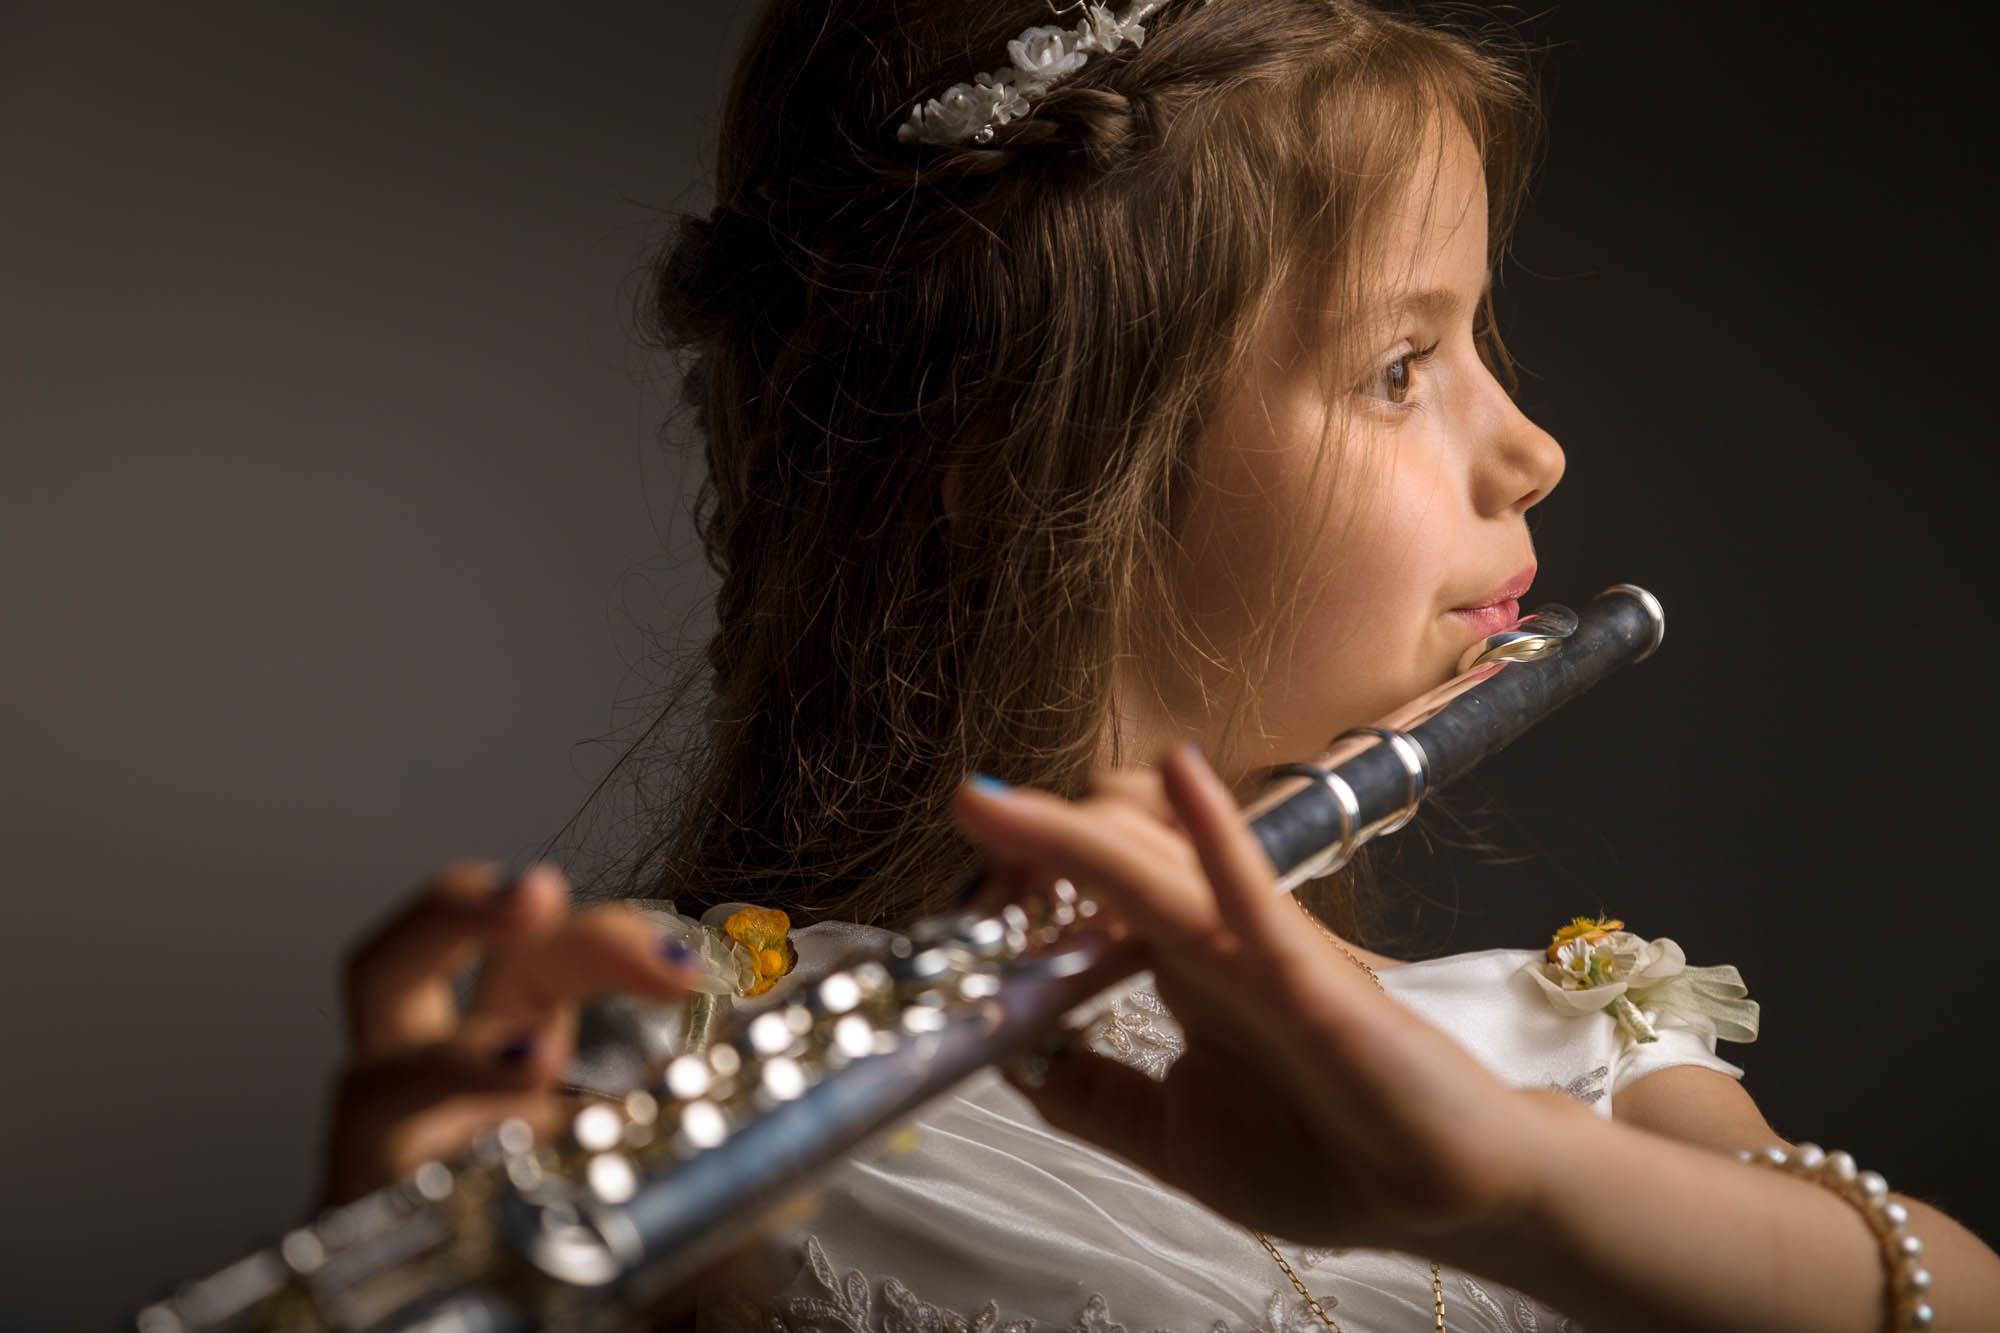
1080, 401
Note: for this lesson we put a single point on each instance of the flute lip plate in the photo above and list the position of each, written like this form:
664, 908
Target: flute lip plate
1533, 636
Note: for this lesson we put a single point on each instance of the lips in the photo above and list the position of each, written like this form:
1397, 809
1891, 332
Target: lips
1485, 620
1506, 596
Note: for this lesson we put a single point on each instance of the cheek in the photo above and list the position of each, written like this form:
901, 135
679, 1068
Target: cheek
1230, 542
1370, 639
1360, 633
1391, 559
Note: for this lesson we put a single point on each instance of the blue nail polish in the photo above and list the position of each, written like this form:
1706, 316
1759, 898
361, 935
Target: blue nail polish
990, 785
676, 951
517, 1051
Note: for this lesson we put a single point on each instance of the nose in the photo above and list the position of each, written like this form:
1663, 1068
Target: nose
1519, 463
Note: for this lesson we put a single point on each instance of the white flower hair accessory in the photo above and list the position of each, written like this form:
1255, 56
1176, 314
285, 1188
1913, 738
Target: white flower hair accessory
1594, 963
1040, 58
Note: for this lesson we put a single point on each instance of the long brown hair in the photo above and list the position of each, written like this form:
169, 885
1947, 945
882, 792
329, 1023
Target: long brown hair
1046, 321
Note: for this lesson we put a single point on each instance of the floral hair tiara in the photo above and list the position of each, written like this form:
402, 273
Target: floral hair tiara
1041, 58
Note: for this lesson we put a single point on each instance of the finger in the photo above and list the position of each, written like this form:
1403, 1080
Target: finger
1145, 871
1112, 1105
398, 980
1238, 870
597, 952
1140, 787
439, 1133
428, 1103
1245, 883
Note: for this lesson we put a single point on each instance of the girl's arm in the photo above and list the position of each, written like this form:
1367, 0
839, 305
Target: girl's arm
1310, 1105
1653, 1224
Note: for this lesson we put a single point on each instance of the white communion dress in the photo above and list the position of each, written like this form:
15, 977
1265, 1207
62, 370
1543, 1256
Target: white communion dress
978, 1217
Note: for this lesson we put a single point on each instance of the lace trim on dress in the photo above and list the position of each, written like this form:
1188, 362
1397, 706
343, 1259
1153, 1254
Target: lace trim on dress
849, 1303
1140, 1031
1587, 1087
1528, 1316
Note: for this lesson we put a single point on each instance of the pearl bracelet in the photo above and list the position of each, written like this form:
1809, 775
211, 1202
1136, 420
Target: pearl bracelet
1909, 1281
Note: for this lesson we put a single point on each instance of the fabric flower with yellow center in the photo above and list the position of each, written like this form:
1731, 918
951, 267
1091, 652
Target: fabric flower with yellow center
762, 931
1591, 929
714, 963
1595, 964
732, 952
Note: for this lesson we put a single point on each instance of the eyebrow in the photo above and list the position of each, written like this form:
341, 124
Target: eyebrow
1434, 303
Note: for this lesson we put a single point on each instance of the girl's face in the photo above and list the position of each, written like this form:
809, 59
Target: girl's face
1436, 471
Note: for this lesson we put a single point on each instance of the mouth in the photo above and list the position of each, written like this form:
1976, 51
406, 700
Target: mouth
1501, 608
1491, 618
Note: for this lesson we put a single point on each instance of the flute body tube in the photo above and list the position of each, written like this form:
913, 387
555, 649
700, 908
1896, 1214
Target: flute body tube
1379, 774
645, 1192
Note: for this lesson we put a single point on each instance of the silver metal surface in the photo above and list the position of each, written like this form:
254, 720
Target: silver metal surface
1415, 766
1654, 612
1536, 636
650, 1186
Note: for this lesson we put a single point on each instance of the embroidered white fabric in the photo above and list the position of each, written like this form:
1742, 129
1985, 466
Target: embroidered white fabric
987, 1220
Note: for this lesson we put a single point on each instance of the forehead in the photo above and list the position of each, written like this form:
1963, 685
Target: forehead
1430, 250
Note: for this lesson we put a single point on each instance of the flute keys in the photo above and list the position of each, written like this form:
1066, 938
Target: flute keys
925, 1017
782, 1080
433, 1182
597, 1128
839, 993
703, 1125
853, 1037
302, 1252
687, 1077
769, 1034
612, 1177
978, 985
515, 1136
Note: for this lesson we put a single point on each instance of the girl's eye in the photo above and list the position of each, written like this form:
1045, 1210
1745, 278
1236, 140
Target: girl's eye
1392, 383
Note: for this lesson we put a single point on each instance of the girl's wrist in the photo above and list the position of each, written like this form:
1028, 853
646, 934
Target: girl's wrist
1621, 1227
1549, 1242
1514, 1243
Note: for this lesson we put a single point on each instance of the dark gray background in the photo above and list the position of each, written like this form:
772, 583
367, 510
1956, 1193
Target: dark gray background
333, 520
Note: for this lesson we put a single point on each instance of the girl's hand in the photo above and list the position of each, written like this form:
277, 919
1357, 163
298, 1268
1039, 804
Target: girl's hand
421, 1080
1308, 1103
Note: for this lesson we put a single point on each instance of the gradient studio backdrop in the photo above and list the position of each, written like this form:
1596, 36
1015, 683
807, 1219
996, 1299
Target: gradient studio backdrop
333, 520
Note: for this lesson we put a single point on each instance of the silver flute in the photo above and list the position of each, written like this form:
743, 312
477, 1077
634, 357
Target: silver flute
643, 1192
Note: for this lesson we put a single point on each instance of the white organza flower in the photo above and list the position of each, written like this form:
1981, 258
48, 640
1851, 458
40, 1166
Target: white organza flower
1645, 981
1046, 54
957, 114
1105, 31
1042, 57
1005, 95
1584, 963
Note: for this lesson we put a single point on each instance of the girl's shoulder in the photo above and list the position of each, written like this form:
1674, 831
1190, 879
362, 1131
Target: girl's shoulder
1377, 962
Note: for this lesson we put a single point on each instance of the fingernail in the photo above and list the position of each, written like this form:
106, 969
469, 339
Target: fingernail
989, 785
677, 952
517, 1051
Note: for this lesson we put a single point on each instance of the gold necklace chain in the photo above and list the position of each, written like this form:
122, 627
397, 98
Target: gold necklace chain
1312, 1301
